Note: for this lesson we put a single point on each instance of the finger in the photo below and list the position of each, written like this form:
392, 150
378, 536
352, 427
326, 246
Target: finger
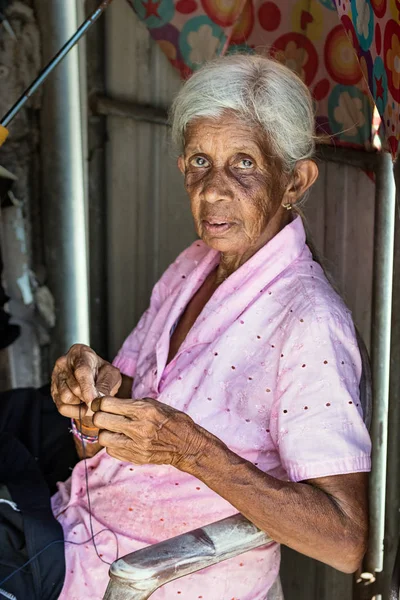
53, 388
58, 400
83, 362
115, 440
73, 384
116, 406
65, 394
125, 456
80, 354
120, 447
72, 411
62, 373
85, 376
115, 423
114, 453
108, 380
60, 365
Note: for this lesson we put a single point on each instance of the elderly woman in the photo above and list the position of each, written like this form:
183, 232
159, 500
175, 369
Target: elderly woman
238, 390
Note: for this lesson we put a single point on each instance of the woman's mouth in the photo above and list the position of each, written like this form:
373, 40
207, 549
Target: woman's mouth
216, 227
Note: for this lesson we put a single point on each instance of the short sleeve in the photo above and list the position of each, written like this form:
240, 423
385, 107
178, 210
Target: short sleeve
316, 422
126, 359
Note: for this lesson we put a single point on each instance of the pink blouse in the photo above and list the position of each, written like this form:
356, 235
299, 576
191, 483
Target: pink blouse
271, 367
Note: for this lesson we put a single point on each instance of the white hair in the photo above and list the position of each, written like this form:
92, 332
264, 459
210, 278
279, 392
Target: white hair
262, 91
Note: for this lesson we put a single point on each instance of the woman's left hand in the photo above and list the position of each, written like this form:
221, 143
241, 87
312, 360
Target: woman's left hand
148, 432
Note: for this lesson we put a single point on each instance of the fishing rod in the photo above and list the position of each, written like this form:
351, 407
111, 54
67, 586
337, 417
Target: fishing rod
49, 68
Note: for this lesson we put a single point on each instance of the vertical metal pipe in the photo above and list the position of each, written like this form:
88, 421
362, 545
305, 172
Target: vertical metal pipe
385, 194
96, 44
64, 202
392, 520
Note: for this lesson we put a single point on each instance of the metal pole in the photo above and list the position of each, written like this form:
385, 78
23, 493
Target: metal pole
56, 60
64, 207
97, 140
393, 459
385, 194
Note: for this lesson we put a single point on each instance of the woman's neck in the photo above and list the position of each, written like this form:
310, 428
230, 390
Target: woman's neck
230, 262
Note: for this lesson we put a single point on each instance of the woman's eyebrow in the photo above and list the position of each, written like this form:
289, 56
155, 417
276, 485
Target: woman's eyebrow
193, 150
239, 150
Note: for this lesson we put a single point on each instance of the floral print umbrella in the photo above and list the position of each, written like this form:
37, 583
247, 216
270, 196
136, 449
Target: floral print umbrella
347, 53
373, 27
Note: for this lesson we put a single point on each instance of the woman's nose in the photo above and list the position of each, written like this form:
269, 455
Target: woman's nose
217, 188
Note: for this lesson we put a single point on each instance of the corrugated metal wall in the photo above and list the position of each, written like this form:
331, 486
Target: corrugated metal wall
149, 223
149, 220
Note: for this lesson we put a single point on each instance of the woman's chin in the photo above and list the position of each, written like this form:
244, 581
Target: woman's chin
220, 244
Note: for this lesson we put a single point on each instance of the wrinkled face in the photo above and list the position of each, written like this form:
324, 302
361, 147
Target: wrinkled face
236, 187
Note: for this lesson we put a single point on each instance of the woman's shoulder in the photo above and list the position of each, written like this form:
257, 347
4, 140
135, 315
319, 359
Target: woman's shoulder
308, 295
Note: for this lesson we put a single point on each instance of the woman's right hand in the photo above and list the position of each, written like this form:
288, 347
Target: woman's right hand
78, 378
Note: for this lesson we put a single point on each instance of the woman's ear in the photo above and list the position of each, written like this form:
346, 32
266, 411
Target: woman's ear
181, 164
305, 174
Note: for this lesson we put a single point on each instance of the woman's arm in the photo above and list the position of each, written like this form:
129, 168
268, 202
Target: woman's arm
325, 518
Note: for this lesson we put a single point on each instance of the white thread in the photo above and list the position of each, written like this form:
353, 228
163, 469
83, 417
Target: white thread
7, 594
10, 503
93, 535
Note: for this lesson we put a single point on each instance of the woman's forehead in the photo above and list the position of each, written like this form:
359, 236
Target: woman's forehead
228, 130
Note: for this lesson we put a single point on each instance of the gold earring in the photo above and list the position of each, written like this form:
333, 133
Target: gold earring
288, 206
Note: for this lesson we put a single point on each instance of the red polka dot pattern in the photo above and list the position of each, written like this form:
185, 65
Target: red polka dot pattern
269, 16
186, 7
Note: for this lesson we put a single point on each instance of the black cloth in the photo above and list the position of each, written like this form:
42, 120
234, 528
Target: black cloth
36, 451
394, 593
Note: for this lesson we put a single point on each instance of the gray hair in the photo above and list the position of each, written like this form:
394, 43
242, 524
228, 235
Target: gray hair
262, 91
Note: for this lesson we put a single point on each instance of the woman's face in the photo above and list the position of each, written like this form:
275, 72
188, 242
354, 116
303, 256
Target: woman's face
236, 187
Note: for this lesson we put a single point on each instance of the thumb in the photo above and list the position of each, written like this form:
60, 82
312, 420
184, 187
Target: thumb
108, 380
89, 411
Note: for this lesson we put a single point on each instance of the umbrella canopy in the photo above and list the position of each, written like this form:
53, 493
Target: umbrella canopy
374, 30
344, 65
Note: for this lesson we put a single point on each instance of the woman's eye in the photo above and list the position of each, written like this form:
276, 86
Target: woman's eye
245, 163
199, 161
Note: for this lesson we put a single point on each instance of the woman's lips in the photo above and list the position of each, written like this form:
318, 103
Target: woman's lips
216, 227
